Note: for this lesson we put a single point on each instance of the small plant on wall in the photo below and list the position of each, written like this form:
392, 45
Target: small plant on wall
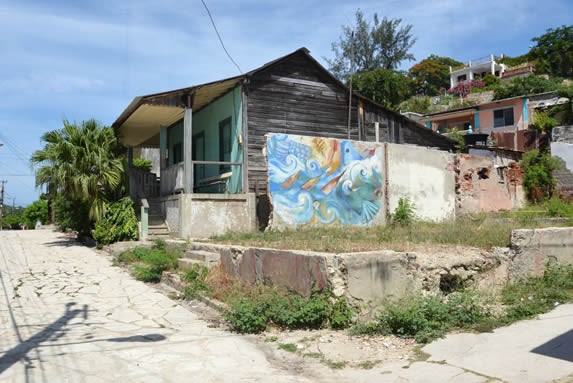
142, 164
404, 214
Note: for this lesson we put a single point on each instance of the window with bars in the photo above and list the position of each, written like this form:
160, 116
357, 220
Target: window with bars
503, 117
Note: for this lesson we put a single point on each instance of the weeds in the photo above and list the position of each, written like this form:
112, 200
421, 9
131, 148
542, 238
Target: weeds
148, 263
426, 318
252, 314
404, 213
290, 347
468, 231
196, 278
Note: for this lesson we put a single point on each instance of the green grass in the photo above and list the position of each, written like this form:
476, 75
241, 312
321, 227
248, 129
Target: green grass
470, 231
290, 347
426, 318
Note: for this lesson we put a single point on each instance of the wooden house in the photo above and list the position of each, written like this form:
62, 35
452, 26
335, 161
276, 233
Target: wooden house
213, 172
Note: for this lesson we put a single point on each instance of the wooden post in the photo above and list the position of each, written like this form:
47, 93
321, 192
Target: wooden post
245, 143
130, 175
187, 150
162, 160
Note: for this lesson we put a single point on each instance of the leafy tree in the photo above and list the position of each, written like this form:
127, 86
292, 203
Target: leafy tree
381, 45
554, 52
523, 86
83, 162
431, 74
384, 86
37, 211
514, 61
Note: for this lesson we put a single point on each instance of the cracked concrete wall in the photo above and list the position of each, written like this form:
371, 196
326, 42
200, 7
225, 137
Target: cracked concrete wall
532, 249
425, 177
367, 279
487, 184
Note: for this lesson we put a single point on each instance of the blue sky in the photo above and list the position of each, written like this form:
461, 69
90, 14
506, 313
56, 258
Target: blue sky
83, 59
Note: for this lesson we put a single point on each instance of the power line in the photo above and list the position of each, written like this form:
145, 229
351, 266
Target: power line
219, 36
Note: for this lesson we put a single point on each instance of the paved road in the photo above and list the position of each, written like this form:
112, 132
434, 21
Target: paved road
67, 315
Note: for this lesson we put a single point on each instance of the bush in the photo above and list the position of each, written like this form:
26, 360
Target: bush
290, 311
538, 167
142, 164
37, 211
543, 122
72, 214
118, 224
148, 263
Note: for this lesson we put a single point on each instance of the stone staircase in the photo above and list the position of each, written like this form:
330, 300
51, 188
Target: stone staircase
201, 257
158, 229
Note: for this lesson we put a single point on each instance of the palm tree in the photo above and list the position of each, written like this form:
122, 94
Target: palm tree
82, 162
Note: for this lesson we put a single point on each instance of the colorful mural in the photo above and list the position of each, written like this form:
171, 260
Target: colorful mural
321, 181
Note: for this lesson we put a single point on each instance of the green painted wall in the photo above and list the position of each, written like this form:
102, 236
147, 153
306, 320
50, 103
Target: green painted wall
207, 120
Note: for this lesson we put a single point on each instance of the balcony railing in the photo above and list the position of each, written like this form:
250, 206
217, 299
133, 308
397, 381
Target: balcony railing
208, 177
172, 179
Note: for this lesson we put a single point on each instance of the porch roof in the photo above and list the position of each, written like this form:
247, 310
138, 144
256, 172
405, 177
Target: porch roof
141, 120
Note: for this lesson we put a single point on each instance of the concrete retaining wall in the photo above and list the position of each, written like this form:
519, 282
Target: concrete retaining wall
532, 249
425, 177
367, 279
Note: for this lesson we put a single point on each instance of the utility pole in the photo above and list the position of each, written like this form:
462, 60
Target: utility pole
2, 183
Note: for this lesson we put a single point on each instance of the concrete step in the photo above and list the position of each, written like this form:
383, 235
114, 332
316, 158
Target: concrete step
187, 263
202, 255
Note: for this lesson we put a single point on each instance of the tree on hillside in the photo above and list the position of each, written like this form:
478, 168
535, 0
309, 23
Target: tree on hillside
384, 44
524, 86
385, 86
83, 162
554, 52
431, 74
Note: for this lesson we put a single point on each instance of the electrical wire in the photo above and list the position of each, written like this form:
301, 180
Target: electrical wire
219, 36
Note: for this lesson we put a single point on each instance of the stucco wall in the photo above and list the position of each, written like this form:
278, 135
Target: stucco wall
488, 184
205, 215
425, 177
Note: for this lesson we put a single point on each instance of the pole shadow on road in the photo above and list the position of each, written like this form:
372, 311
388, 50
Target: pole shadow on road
560, 347
53, 331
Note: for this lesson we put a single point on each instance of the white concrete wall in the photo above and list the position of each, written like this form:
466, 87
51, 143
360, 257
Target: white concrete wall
424, 176
206, 215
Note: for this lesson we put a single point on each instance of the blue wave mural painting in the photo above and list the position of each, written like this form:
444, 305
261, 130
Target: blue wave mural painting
316, 180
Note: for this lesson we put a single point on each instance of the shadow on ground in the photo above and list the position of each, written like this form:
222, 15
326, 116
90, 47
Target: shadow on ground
560, 347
